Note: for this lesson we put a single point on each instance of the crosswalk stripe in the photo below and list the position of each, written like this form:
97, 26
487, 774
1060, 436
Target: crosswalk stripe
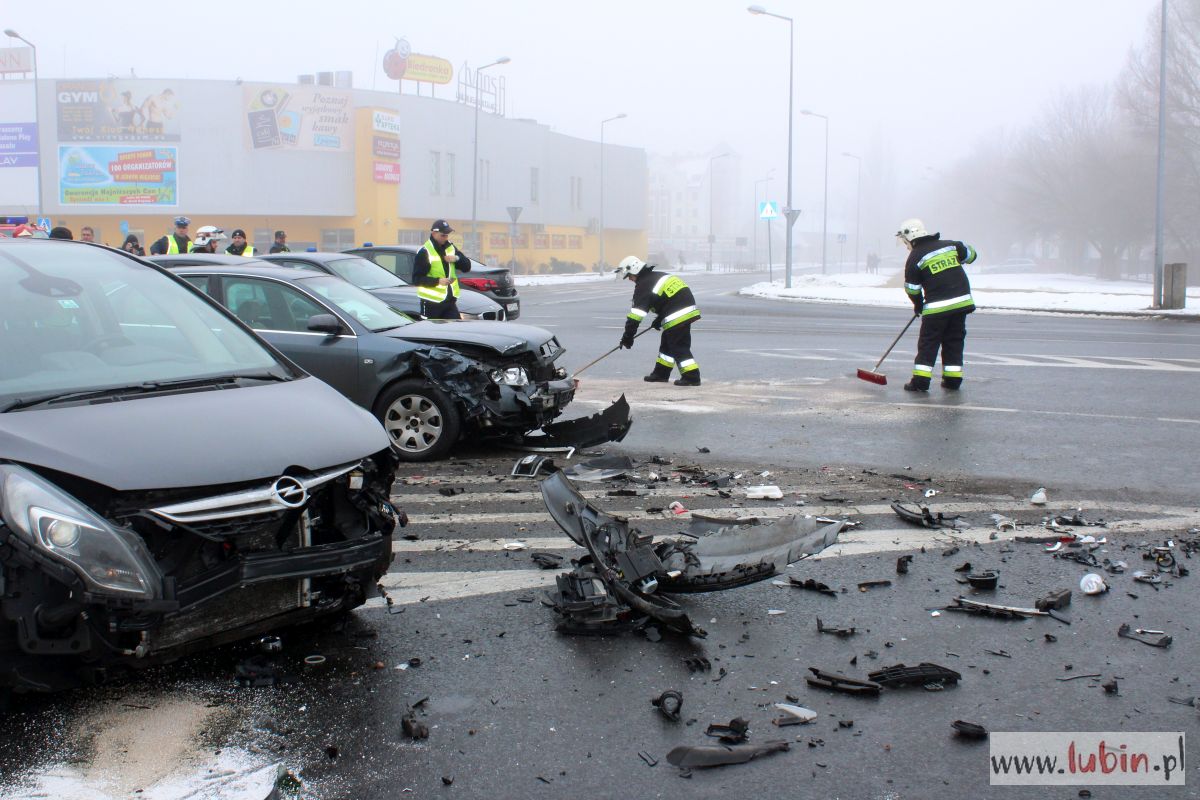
406, 588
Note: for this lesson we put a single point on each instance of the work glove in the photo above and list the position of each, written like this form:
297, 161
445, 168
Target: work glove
627, 341
657, 324
918, 304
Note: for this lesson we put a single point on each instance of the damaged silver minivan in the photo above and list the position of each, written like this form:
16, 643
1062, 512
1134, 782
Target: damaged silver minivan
163, 488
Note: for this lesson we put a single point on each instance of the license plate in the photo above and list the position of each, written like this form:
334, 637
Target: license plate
511, 307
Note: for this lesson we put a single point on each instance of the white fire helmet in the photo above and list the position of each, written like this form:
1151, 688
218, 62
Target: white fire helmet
912, 229
630, 265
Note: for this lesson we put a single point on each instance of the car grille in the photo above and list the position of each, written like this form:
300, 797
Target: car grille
550, 349
276, 498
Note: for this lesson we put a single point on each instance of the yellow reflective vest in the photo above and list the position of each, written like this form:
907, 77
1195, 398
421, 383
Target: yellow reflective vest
437, 269
173, 245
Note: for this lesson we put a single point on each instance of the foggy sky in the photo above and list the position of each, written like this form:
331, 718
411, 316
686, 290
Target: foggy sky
927, 77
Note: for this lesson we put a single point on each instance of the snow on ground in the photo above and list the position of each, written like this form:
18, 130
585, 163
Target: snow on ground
1024, 292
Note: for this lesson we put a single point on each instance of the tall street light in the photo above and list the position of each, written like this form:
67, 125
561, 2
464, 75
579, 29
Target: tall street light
791, 213
711, 238
1162, 161
825, 202
857, 205
475, 154
9, 32
766, 197
603, 122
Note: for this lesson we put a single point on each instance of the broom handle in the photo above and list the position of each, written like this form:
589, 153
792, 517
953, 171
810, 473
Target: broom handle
894, 342
609, 353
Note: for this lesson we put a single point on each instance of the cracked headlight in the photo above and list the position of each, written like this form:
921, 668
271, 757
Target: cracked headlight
513, 376
110, 561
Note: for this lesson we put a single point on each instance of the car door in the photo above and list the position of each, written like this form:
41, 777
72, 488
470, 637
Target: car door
279, 312
398, 263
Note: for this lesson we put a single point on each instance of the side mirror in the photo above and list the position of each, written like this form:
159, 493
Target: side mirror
325, 323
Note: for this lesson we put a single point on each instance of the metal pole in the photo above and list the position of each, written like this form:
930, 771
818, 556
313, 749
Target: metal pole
36, 105
791, 78
770, 262
825, 204
857, 205
710, 208
1162, 155
603, 122
475, 156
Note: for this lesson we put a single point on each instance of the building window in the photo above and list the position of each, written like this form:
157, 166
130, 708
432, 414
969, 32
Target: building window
416, 237
450, 174
435, 172
533, 185
335, 239
576, 192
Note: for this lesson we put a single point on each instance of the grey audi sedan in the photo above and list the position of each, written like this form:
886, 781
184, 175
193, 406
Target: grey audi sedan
429, 382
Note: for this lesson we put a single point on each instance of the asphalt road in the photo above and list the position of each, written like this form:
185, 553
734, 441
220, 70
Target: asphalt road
516, 709
1082, 402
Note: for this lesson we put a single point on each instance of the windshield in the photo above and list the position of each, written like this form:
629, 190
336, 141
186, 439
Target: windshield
369, 310
364, 274
77, 318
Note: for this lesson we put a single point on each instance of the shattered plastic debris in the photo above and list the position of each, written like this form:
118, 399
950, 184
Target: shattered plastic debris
609, 425
547, 560
515, 545
604, 468
812, 585
1004, 523
902, 564
736, 732
697, 664
677, 508
764, 493
1039, 497
1092, 584
918, 514
1058, 599
793, 715
984, 580
865, 585
924, 673
669, 704
841, 683
1126, 632
841, 632
992, 610
969, 730
529, 466
718, 755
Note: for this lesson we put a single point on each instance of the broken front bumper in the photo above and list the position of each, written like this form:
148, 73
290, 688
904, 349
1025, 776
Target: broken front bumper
626, 574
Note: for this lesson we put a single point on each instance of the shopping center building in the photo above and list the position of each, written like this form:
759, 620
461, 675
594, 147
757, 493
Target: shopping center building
332, 165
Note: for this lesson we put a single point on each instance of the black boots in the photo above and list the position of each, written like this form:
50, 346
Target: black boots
657, 377
691, 378
914, 386
953, 384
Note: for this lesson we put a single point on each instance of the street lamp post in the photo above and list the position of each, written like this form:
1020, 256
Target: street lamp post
791, 213
475, 155
710, 208
9, 32
603, 122
766, 198
825, 202
857, 205
1160, 173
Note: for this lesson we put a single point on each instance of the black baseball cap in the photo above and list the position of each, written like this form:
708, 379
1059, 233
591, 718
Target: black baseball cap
239, 232
280, 234
441, 226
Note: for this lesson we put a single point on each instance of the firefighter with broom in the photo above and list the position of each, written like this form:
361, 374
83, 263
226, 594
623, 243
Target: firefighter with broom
937, 284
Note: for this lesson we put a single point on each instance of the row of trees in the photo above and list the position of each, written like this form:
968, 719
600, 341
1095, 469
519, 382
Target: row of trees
1082, 177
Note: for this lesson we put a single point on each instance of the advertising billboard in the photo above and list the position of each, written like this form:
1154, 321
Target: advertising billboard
387, 172
18, 146
118, 176
289, 117
117, 111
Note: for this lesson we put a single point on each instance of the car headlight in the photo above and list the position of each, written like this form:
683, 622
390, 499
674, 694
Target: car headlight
110, 561
513, 376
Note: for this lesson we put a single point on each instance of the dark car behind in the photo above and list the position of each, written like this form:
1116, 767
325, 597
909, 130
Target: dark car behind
429, 383
168, 482
495, 282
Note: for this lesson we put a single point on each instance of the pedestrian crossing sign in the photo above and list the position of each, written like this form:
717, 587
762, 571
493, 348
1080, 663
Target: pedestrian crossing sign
768, 210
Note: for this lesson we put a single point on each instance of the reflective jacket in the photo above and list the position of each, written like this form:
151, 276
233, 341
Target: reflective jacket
169, 246
934, 276
437, 271
665, 295
247, 251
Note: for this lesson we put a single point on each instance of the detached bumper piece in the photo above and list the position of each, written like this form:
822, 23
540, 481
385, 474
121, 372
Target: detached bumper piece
623, 580
610, 425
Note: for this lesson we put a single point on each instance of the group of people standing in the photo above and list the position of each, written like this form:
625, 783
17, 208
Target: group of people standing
207, 240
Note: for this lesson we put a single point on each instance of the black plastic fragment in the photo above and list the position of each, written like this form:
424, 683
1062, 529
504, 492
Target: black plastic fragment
697, 664
899, 675
902, 564
669, 704
865, 585
841, 683
736, 732
547, 560
812, 586
719, 755
984, 580
1058, 599
969, 730
1126, 632
650, 760
842, 632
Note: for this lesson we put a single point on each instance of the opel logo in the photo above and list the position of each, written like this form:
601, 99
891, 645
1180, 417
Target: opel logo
290, 492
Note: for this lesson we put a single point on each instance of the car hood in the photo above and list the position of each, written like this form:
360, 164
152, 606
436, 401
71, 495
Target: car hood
506, 338
405, 298
202, 438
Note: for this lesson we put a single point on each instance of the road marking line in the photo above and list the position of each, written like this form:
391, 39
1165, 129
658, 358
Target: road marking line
407, 588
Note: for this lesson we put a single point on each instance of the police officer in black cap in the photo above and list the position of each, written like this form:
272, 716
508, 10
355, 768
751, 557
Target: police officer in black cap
435, 273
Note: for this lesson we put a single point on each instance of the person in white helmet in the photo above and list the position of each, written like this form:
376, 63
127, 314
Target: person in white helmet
674, 306
937, 284
207, 237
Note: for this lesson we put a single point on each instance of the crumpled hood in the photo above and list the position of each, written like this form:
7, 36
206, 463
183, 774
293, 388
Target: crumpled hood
201, 438
507, 338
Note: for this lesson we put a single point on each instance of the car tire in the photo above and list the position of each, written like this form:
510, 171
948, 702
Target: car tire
421, 421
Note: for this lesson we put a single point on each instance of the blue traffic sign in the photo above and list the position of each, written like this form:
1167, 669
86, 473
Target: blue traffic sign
768, 210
